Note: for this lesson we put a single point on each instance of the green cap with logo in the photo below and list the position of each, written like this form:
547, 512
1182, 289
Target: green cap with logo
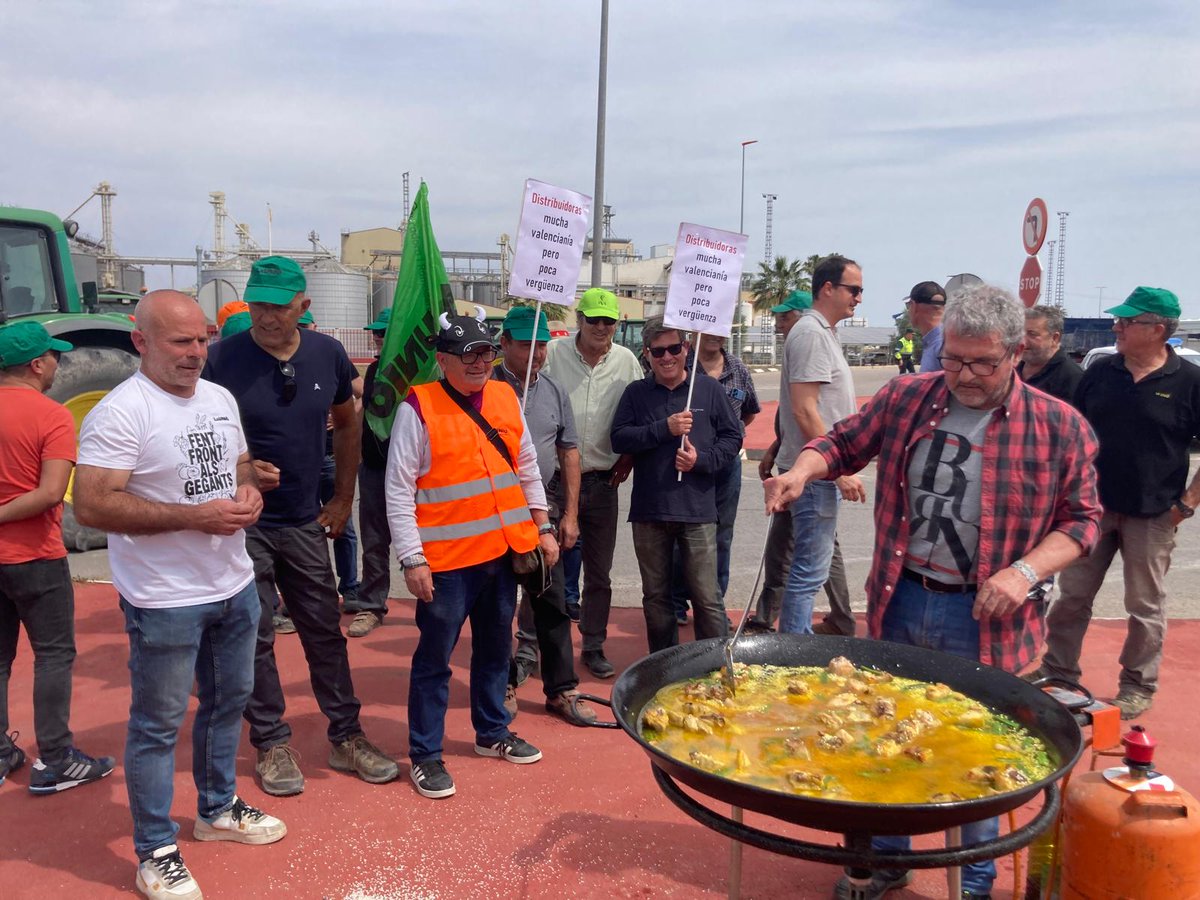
518, 324
236, 324
795, 300
21, 342
381, 320
1156, 301
599, 302
274, 279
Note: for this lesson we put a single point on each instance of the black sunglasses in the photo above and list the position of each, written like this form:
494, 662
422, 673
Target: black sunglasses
288, 371
599, 320
660, 352
854, 289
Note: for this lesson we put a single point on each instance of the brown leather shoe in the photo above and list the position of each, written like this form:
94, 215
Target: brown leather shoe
364, 623
277, 771
570, 708
826, 628
510, 700
358, 755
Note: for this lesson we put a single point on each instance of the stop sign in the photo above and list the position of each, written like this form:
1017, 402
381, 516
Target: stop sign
1031, 281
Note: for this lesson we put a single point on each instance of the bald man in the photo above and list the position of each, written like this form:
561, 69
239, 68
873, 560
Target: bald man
164, 469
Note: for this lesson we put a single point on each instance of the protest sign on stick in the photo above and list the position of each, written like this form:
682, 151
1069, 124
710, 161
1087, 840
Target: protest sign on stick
705, 286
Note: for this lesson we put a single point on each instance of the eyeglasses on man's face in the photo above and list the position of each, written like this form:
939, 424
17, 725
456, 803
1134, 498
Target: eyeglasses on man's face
980, 367
474, 356
1126, 321
660, 352
287, 392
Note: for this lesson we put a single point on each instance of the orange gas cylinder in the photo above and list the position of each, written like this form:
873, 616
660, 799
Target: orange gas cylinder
1128, 833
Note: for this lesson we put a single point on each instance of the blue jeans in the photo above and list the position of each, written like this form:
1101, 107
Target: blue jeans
487, 595
942, 622
814, 526
729, 492
345, 548
212, 643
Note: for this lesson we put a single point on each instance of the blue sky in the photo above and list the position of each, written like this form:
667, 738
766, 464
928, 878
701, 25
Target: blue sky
909, 135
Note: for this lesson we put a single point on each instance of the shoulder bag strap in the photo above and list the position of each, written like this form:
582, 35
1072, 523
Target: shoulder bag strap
484, 425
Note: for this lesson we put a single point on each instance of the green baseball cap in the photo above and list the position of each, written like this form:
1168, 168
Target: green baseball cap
274, 279
518, 324
236, 324
1157, 301
795, 300
599, 302
306, 318
381, 320
21, 342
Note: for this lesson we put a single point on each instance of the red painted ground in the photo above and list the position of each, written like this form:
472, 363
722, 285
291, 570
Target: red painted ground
586, 821
761, 432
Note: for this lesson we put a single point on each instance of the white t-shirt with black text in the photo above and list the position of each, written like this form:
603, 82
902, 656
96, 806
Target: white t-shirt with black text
180, 450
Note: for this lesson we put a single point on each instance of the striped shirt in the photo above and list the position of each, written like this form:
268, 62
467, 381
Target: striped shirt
1038, 477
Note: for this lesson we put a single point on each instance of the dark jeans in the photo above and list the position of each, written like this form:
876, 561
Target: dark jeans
654, 542
729, 492
486, 594
376, 538
572, 562
39, 595
345, 548
297, 559
212, 645
598, 521
543, 625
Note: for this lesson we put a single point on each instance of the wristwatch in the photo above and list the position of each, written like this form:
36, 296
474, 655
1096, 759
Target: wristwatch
1183, 509
546, 528
1027, 570
414, 562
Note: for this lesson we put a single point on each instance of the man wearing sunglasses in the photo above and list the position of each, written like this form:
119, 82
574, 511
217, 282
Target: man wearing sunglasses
1144, 402
817, 392
671, 513
984, 488
288, 381
595, 372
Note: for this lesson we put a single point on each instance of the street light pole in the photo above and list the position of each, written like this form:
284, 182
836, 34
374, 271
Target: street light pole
742, 214
1100, 300
598, 198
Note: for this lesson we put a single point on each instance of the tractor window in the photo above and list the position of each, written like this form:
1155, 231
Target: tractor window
26, 278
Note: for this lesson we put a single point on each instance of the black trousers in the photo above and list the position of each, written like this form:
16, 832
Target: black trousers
545, 617
297, 560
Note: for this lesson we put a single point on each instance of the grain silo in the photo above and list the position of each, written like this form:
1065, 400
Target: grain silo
340, 298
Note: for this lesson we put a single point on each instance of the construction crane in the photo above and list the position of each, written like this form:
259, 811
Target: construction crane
770, 198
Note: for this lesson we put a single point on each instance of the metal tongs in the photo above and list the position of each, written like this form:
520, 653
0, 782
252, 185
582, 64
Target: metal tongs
727, 671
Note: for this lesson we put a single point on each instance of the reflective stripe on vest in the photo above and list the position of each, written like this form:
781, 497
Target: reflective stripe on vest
467, 489
473, 529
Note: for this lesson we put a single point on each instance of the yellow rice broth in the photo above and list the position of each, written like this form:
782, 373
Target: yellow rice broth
845, 734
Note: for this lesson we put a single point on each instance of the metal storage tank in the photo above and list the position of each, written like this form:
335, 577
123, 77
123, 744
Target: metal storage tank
340, 299
383, 293
228, 284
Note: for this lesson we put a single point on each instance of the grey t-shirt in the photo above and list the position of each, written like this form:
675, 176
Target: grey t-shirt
551, 422
812, 353
943, 496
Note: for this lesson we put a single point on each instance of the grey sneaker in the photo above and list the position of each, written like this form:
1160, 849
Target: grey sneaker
1132, 704
511, 748
283, 624
164, 876
277, 771
358, 755
880, 884
431, 779
241, 823
364, 623
597, 664
525, 667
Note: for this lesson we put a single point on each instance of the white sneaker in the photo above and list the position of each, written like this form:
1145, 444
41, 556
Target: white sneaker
242, 823
164, 876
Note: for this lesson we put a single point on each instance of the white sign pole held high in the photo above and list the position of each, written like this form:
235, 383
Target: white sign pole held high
549, 250
705, 287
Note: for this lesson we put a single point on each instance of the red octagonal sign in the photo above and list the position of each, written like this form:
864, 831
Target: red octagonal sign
1031, 281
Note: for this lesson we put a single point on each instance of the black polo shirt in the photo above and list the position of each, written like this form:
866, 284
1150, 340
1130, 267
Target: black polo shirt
1144, 430
1058, 378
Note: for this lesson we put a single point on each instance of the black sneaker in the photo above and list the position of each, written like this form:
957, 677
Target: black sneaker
573, 612
12, 757
75, 769
597, 664
513, 749
431, 779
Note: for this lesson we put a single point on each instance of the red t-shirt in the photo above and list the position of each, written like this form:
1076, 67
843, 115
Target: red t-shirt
33, 428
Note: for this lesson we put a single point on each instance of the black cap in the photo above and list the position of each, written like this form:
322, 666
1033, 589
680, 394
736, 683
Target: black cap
926, 291
462, 334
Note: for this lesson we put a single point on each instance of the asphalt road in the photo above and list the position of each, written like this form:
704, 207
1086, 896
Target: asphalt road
855, 529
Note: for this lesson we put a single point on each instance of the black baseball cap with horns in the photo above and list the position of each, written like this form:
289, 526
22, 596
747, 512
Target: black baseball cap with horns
462, 334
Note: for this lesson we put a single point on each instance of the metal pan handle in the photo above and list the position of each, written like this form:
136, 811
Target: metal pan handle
592, 698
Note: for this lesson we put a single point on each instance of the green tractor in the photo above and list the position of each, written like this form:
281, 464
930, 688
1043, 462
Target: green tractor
37, 281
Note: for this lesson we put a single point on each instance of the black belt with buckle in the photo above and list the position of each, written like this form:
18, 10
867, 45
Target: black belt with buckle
938, 587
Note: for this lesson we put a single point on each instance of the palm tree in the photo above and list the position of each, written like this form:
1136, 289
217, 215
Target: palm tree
776, 280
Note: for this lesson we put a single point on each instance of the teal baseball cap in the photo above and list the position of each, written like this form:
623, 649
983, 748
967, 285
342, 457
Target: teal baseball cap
795, 300
306, 318
1156, 301
381, 320
236, 324
22, 342
518, 324
274, 279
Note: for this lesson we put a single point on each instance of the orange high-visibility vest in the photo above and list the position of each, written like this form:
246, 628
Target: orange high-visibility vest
470, 505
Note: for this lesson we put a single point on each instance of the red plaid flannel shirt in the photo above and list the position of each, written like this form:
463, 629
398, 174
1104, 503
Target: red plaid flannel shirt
1038, 476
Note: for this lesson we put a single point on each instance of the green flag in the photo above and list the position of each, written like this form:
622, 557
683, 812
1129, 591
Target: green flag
422, 294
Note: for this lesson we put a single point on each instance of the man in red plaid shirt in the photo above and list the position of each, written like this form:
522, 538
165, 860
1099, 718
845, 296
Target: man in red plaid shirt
984, 488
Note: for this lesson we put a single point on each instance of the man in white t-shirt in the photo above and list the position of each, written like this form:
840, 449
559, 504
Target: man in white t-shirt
164, 468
